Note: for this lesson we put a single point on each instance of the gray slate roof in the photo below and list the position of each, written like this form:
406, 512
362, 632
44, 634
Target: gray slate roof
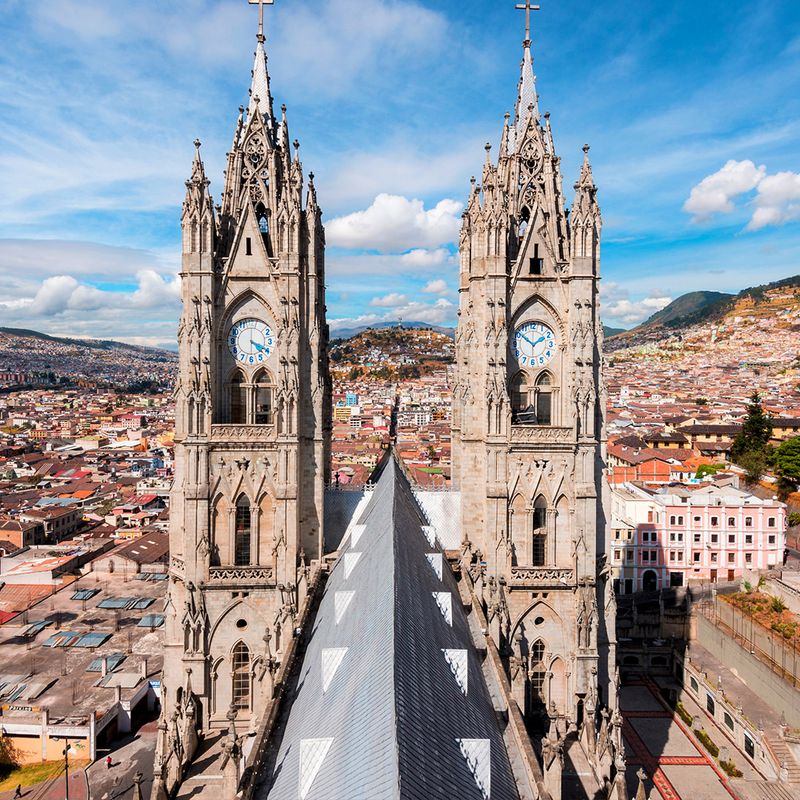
389, 723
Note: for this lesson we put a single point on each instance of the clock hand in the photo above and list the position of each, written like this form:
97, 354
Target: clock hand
532, 344
259, 347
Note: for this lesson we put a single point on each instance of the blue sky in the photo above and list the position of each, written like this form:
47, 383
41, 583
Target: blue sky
692, 110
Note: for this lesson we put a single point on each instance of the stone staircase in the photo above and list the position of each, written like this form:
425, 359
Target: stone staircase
765, 790
785, 757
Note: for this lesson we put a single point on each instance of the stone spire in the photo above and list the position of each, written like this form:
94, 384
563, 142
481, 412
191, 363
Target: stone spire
527, 98
585, 220
197, 219
586, 179
260, 95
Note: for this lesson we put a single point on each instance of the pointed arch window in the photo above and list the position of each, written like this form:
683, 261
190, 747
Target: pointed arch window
240, 667
520, 393
524, 220
238, 399
264, 396
242, 531
543, 399
537, 671
539, 551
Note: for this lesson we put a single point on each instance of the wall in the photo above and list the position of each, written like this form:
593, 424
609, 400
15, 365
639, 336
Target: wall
696, 686
780, 696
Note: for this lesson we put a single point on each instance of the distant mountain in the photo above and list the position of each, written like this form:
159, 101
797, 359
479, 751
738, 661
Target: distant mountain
688, 309
38, 359
609, 332
91, 344
349, 333
699, 308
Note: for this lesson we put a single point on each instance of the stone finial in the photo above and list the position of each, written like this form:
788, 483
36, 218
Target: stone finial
641, 794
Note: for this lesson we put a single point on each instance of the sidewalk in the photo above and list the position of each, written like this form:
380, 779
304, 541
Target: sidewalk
54, 789
132, 754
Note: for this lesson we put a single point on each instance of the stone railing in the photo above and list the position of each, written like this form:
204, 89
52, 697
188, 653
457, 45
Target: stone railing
522, 434
242, 433
239, 576
538, 577
177, 565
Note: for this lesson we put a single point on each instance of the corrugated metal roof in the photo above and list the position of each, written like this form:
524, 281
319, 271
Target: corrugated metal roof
391, 702
113, 660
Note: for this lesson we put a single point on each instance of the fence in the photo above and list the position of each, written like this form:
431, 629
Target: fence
766, 645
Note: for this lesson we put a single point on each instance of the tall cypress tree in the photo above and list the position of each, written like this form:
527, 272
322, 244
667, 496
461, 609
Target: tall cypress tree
756, 431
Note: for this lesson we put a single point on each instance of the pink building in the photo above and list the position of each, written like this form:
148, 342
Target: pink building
675, 534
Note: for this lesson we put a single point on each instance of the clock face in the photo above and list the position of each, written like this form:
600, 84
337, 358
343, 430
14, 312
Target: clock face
534, 344
251, 341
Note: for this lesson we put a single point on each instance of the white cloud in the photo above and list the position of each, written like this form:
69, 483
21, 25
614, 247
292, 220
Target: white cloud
389, 301
155, 290
618, 308
394, 223
358, 176
715, 193
426, 258
441, 312
437, 287
777, 200
85, 290
54, 295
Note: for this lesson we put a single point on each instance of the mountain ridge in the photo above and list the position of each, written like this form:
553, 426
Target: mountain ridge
695, 308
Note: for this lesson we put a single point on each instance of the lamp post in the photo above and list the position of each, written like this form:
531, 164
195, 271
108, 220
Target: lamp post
65, 751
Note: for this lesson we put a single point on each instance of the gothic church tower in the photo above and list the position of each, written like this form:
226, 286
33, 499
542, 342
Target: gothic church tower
528, 419
252, 430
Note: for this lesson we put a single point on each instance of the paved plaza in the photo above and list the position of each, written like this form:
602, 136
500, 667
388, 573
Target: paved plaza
657, 742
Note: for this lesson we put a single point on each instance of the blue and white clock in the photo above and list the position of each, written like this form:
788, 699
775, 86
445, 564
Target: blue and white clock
251, 341
534, 344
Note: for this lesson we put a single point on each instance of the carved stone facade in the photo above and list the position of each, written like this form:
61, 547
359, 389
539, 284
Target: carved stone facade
252, 431
528, 421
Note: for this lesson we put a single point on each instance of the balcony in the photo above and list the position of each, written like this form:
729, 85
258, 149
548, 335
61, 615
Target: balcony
242, 433
541, 577
240, 577
523, 434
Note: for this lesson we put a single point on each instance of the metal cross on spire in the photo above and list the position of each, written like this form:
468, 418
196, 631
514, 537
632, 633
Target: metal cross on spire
526, 7
261, 4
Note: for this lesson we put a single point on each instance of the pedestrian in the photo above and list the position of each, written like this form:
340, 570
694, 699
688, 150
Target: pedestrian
18, 792
108, 762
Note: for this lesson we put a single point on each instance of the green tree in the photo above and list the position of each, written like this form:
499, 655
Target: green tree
786, 460
794, 519
754, 463
755, 434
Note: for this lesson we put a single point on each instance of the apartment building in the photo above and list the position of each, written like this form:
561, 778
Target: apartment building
674, 534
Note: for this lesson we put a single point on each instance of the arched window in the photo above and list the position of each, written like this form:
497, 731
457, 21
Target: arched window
240, 665
520, 520
520, 404
263, 398
242, 533
238, 399
524, 219
543, 399
537, 672
263, 224
539, 555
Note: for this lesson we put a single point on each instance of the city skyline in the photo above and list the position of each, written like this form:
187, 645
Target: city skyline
693, 144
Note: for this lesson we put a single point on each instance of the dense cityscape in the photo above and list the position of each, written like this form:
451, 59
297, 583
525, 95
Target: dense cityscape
85, 474
368, 482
